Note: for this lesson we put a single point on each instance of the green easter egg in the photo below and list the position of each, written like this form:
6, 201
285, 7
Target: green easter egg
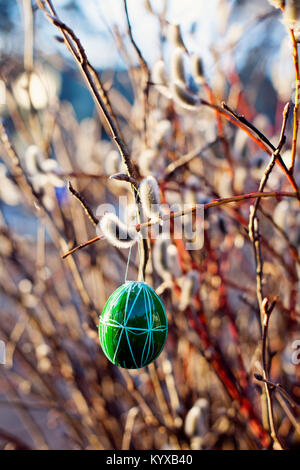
133, 326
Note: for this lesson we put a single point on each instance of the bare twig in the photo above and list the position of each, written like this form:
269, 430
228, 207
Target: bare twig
253, 220
145, 70
209, 205
184, 159
132, 413
292, 247
74, 45
18, 443
279, 387
288, 412
267, 310
29, 191
84, 204
82, 245
259, 138
296, 104
254, 236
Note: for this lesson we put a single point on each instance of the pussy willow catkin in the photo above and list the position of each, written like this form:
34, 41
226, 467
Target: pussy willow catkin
291, 13
160, 258
116, 232
197, 419
173, 261
174, 35
150, 197
165, 258
33, 156
277, 3
163, 130
197, 69
184, 98
177, 67
159, 75
40, 169
190, 285
160, 79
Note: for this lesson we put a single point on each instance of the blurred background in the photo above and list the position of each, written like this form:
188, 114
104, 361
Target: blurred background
57, 389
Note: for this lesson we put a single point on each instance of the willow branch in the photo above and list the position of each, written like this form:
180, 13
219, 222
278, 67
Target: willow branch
280, 389
191, 210
255, 135
145, 70
6, 436
75, 47
296, 105
184, 159
293, 248
288, 412
253, 220
267, 310
26, 185
83, 204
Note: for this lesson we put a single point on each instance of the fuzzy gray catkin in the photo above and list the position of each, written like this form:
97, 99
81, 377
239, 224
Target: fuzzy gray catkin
160, 260
291, 13
177, 67
33, 157
171, 385
150, 197
197, 419
197, 69
159, 76
165, 258
163, 130
8, 192
116, 232
173, 260
184, 98
189, 288
41, 170
160, 79
277, 3
174, 35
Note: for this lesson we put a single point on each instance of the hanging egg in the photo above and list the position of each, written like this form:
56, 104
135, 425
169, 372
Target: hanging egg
133, 326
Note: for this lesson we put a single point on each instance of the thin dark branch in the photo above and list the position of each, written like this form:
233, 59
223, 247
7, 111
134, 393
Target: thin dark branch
74, 45
146, 72
267, 310
84, 204
279, 387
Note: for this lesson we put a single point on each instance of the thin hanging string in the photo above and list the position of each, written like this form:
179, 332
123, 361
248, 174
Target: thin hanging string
127, 265
139, 250
139, 244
